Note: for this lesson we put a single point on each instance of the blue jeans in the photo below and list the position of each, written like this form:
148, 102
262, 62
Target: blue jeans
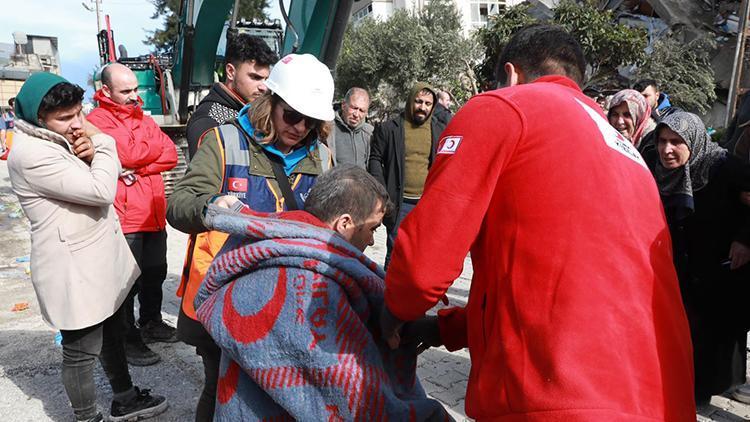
105, 341
403, 211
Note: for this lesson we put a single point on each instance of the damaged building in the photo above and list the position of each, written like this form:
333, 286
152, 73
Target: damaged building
688, 19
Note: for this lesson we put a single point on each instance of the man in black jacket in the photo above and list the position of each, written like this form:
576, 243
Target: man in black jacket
401, 152
248, 61
443, 107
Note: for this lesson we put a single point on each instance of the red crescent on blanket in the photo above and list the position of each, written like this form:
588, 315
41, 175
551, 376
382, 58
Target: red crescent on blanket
228, 383
250, 328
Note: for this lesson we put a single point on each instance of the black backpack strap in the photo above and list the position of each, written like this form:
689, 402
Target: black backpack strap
283, 180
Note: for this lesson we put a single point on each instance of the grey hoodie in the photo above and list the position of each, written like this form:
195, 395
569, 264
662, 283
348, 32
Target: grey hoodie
350, 145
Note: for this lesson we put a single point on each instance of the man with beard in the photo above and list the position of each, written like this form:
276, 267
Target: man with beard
248, 63
401, 153
144, 152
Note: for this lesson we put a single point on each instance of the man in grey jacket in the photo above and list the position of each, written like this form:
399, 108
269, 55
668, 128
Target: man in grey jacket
349, 141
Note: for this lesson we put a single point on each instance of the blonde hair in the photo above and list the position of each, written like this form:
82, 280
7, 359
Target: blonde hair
260, 117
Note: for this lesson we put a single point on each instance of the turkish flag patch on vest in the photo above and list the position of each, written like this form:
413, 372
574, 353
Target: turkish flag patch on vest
237, 184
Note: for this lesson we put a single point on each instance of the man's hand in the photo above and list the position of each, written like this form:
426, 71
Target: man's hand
390, 328
226, 201
423, 333
83, 148
739, 254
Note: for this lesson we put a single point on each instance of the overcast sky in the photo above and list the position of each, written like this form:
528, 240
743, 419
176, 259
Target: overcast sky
75, 28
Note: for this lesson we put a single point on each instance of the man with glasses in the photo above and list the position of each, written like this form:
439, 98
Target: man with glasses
401, 153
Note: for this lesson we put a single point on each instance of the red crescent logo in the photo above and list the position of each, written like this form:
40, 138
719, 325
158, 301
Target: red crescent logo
228, 383
250, 328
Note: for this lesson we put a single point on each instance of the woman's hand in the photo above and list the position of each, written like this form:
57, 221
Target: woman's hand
225, 201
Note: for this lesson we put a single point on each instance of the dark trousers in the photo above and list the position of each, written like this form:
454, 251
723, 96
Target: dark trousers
150, 252
211, 356
192, 332
403, 211
80, 350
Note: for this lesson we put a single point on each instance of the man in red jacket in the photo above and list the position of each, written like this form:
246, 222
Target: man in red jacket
145, 151
574, 312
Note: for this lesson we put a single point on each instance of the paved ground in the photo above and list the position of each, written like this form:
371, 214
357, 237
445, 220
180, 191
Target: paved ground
30, 387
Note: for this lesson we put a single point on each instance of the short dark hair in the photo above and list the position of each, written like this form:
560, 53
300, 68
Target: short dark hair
245, 47
540, 50
11, 101
641, 85
61, 96
346, 189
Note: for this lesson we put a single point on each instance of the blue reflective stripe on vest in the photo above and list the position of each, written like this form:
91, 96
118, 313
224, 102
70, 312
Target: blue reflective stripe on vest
254, 191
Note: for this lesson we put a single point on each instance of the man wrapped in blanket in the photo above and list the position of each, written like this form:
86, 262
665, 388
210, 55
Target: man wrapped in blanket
293, 303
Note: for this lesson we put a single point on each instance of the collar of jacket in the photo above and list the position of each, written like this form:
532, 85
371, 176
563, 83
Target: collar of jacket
558, 79
120, 111
260, 164
37, 132
221, 94
344, 126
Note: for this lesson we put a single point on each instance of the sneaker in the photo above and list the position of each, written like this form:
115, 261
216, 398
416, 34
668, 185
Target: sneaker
742, 393
142, 406
158, 331
138, 354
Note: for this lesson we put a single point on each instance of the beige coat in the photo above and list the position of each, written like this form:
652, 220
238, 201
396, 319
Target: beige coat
81, 266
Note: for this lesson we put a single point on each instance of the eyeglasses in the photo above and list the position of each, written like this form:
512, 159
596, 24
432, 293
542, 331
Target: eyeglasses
292, 117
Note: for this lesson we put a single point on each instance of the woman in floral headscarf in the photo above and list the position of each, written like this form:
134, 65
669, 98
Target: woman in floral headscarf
699, 184
630, 114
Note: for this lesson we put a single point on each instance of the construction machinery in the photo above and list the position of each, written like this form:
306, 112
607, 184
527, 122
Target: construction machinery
171, 86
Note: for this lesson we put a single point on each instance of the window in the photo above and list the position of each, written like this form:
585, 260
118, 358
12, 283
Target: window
481, 10
362, 13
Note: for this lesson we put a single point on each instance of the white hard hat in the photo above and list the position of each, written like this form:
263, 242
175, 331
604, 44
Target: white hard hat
305, 84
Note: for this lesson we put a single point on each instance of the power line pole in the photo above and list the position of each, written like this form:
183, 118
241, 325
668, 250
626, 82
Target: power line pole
735, 85
98, 13
98, 19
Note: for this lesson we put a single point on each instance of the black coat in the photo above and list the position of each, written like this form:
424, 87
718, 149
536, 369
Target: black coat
215, 109
714, 296
443, 115
387, 150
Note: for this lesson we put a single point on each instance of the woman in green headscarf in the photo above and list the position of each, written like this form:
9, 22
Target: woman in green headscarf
64, 172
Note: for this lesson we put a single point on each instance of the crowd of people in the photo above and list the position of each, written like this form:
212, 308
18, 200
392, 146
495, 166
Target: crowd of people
609, 247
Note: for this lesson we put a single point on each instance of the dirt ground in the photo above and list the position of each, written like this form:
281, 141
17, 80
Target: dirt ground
30, 385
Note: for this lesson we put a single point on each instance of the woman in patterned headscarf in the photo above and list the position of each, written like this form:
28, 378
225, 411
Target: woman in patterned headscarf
630, 114
699, 184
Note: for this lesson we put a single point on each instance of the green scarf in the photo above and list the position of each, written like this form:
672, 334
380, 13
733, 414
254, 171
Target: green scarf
31, 94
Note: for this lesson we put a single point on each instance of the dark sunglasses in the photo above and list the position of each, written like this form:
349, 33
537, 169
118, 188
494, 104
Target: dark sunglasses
292, 117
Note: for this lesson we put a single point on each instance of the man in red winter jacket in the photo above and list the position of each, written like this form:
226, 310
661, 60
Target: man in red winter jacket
574, 312
145, 151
